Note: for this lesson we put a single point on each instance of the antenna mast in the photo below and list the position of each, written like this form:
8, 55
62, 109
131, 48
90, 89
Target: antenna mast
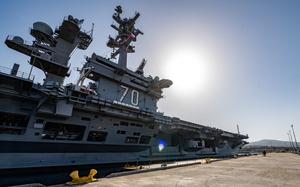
126, 34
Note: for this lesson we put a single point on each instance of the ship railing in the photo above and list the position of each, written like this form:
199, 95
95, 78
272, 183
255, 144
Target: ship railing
20, 74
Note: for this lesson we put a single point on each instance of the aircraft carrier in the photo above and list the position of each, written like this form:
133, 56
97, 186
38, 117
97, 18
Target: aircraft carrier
108, 116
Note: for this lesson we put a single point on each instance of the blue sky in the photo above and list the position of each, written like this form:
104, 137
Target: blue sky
253, 49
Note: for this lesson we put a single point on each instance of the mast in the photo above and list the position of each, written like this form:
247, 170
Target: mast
127, 33
50, 50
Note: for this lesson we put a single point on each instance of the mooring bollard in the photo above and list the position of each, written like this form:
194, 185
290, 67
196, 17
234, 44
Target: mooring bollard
82, 180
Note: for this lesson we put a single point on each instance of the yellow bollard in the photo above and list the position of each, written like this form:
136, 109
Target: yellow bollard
82, 180
207, 160
132, 167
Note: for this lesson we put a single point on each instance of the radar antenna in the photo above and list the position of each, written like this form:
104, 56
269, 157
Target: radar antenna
126, 34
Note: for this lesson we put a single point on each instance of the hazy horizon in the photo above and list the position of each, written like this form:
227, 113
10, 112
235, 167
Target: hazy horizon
232, 62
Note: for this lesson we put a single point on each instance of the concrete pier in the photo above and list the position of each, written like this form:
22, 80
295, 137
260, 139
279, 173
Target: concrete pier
276, 169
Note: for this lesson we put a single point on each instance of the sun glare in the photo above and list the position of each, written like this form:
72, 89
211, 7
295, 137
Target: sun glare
188, 70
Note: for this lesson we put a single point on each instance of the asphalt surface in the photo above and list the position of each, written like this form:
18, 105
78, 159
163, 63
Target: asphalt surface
276, 169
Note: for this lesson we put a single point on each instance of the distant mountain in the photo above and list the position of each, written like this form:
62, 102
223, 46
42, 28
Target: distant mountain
270, 143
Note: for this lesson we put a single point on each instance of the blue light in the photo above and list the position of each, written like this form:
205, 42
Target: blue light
161, 145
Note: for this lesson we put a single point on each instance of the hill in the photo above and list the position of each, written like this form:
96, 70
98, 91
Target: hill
269, 143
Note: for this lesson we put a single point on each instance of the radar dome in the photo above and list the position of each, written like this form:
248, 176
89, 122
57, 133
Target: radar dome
18, 39
43, 27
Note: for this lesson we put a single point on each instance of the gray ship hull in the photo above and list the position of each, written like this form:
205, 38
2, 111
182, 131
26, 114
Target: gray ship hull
20, 160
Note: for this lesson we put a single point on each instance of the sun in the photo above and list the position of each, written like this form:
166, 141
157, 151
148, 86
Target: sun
188, 69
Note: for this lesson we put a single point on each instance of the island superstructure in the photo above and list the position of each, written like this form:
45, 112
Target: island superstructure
108, 116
